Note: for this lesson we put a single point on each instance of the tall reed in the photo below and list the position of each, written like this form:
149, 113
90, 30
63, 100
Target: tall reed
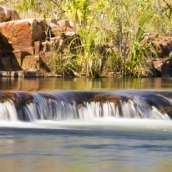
119, 23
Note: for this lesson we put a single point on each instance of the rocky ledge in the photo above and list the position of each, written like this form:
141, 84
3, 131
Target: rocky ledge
26, 44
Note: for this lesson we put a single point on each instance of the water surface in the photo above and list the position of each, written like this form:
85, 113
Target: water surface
75, 146
90, 145
103, 84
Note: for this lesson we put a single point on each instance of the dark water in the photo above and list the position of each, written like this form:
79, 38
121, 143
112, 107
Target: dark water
120, 145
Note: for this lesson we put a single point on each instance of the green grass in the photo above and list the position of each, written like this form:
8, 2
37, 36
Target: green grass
121, 23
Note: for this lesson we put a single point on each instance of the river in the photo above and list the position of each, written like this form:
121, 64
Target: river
103, 84
86, 144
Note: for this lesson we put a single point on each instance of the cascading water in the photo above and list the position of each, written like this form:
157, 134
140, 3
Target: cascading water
25, 106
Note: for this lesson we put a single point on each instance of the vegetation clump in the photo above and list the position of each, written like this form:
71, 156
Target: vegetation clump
111, 34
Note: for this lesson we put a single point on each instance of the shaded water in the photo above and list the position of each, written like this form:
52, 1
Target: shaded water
103, 84
94, 145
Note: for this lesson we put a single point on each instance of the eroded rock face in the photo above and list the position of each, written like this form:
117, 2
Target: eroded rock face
28, 39
22, 34
17, 40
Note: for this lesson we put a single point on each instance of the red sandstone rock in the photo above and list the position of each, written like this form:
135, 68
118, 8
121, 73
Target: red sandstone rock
26, 32
6, 30
22, 34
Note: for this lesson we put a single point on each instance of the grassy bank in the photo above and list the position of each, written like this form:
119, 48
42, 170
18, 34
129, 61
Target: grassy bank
111, 33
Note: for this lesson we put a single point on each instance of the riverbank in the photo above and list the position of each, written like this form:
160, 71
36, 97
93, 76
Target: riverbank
41, 47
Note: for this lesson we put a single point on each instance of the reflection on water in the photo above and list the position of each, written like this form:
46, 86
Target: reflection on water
50, 84
90, 150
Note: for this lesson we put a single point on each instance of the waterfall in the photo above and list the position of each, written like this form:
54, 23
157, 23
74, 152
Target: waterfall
8, 111
25, 106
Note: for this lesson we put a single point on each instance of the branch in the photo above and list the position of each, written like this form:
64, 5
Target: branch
58, 4
168, 5
76, 74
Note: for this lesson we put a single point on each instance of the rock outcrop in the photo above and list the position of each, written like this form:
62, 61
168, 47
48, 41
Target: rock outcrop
162, 44
26, 44
162, 65
21, 34
29, 42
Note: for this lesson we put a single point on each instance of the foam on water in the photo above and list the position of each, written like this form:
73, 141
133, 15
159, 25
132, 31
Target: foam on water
87, 124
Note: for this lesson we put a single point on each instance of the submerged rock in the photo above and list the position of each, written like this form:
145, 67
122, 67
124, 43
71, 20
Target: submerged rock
85, 105
105, 98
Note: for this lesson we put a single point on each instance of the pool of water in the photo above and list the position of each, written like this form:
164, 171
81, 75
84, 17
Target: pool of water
90, 145
86, 145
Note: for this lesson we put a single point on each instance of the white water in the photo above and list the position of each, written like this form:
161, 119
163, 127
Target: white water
8, 111
89, 136
103, 123
59, 110
95, 144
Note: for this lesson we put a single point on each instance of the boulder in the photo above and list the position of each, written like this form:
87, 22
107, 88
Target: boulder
162, 68
7, 14
62, 27
162, 44
22, 34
